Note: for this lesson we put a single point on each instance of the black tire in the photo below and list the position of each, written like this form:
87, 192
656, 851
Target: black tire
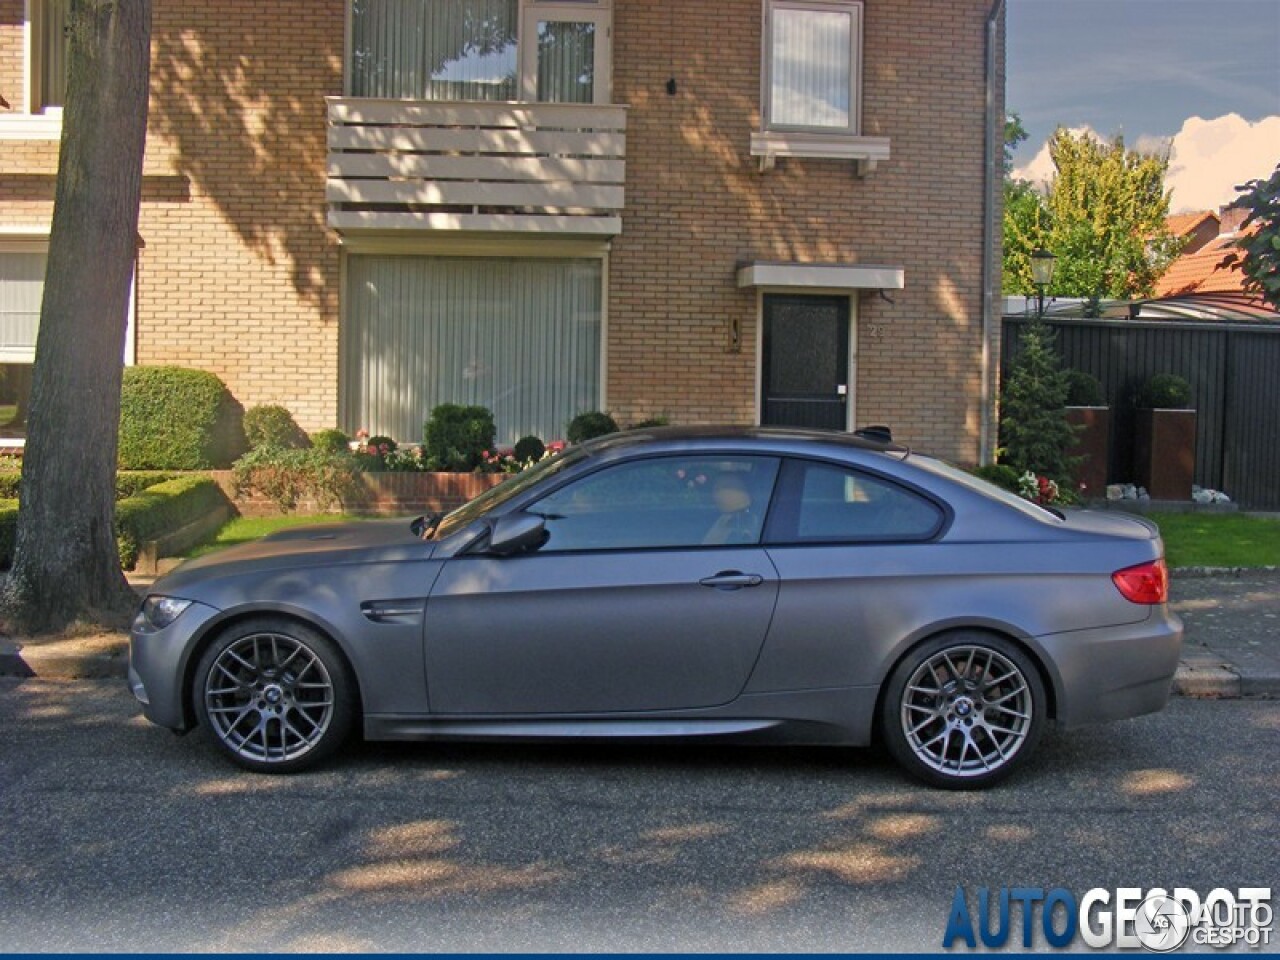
967, 725
274, 695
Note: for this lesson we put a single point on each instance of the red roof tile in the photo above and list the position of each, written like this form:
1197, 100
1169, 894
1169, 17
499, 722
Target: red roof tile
1199, 272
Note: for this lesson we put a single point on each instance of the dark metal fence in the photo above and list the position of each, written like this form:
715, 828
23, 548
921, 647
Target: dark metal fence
1234, 372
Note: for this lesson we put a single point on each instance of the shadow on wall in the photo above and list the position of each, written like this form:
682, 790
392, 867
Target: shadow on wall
245, 118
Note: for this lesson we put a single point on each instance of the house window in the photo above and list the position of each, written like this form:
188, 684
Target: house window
49, 52
492, 50
21, 290
813, 54
520, 336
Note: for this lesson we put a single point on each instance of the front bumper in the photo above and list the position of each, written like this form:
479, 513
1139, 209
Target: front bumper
158, 661
1114, 672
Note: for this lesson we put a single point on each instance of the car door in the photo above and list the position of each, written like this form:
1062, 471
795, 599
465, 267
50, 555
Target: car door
651, 592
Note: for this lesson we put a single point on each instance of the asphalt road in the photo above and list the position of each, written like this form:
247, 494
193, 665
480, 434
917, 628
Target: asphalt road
119, 836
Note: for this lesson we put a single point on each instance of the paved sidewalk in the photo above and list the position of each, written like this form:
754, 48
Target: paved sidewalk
1232, 644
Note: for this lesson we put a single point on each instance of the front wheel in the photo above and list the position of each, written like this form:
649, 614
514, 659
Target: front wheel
274, 695
963, 710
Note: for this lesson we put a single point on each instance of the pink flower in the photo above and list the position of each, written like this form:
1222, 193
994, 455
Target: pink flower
362, 434
371, 450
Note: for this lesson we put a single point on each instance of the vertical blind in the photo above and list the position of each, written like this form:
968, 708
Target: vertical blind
434, 49
521, 337
53, 51
566, 61
21, 289
811, 66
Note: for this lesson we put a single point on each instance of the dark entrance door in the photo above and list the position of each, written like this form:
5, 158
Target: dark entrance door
806, 362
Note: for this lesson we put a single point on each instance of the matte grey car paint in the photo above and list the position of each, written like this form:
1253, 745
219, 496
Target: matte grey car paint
448, 641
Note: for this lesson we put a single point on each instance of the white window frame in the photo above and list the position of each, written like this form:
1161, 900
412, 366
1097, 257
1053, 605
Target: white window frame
581, 11
855, 10
599, 12
772, 141
31, 123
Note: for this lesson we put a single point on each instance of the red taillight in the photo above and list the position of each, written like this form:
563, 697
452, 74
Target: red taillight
1145, 583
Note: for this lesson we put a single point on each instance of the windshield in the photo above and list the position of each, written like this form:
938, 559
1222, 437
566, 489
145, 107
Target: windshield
506, 490
977, 484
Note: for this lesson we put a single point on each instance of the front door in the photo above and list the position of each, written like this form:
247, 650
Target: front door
805, 370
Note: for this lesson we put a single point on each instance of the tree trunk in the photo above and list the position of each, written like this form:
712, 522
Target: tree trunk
65, 565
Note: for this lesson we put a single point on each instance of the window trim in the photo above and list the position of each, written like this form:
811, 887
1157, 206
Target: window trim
855, 8
28, 123
772, 141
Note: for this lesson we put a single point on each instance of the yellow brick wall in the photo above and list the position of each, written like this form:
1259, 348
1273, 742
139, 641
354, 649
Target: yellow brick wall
239, 274
698, 207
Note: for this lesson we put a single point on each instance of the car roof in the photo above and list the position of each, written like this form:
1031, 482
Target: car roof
765, 437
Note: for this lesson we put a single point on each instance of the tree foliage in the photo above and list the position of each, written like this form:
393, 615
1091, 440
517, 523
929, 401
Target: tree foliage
1102, 216
1259, 258
1034, 432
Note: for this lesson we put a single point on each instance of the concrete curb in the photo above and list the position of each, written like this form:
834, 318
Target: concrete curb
1205, 572
63, 662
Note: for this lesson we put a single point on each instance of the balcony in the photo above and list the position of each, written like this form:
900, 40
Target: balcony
405, 165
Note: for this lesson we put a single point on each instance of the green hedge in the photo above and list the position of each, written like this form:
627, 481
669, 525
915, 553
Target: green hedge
128, 482
172, 418
8, 530
162, 509
148, 515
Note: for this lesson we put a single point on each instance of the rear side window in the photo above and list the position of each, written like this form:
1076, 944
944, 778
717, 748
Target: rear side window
823, 502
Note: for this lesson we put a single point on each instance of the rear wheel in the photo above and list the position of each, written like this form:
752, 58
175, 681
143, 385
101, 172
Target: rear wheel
963, 710
274, 695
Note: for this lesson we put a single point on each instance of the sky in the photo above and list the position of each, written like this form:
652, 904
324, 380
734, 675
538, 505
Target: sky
1199, 77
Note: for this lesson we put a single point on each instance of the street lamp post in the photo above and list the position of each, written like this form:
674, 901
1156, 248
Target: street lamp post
1042, 265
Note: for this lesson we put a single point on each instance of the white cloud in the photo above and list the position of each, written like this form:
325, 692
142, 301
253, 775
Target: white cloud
1211, 157
1208, 159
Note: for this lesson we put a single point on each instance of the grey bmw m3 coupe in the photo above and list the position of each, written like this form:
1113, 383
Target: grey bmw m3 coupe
736, 583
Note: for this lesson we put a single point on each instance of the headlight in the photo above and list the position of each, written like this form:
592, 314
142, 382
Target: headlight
159, 612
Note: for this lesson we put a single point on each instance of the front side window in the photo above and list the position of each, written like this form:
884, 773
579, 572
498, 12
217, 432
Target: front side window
825, 502
813, 54
671, 502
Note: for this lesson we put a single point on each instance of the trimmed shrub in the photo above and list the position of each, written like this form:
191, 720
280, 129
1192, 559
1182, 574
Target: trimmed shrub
331, 441
286, 476
1084, 390
1165, 391
172, 418
651, 423
999, 474
8, 530
456, 438
589, 425
160, 509
529, 448
1034, 431
272, 425
130, 482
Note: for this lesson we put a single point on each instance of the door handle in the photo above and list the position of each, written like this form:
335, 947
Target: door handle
732, 580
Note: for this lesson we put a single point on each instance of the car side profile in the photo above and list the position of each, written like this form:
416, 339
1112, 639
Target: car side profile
739, 583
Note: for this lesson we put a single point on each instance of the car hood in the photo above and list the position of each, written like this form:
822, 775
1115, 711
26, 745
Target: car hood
374, 541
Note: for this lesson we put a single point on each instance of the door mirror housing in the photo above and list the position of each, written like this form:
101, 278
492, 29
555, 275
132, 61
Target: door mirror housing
517, 532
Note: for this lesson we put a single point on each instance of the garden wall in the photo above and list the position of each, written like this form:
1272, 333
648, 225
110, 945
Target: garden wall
381, 493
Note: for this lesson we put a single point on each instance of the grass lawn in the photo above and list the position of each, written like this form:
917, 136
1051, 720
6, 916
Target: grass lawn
244, 529
1219, 539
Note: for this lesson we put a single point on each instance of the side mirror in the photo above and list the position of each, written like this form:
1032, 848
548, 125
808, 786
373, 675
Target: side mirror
516, 532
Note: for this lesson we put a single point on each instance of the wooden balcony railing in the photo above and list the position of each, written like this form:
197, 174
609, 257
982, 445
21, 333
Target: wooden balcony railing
397, 165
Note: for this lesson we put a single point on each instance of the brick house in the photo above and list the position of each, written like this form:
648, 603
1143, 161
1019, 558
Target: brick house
741, 211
